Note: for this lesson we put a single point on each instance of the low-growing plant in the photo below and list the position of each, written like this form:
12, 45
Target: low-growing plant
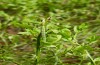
49, 32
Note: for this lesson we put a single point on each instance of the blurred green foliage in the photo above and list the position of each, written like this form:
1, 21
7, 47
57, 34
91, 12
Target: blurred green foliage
72, 32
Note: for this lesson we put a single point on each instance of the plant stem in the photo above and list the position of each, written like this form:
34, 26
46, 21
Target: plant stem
43, 30
38, 49
92, 61
43, 35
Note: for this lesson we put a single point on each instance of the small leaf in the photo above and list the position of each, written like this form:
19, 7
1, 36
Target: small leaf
75, 29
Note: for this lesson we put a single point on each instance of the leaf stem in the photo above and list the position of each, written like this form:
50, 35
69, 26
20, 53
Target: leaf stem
92, 61
38, 49
43, 30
